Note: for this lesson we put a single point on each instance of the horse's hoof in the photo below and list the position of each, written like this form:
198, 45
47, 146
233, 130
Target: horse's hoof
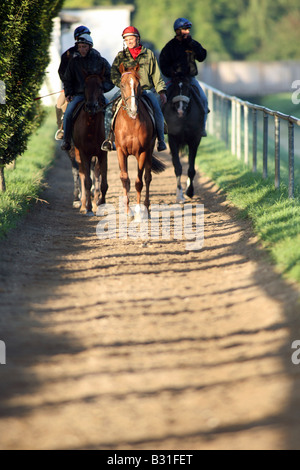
76, 204
141, 213
189, 188
179, 196
89, 214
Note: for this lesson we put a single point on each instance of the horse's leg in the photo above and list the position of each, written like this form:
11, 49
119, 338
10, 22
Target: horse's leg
148, 179
92, 173
122, 158
174, 147
76, 192
96, 175
82, 180
76, 180
86, 182
139, 178
193, 146
103, 172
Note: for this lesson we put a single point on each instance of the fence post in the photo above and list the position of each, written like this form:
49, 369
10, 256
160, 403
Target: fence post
277, 151
233, 127
265, 146
226, 122
254, 140
211, 114
291, 159
246, 134
238, 129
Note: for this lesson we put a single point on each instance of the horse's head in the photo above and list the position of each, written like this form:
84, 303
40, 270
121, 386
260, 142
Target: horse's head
180, 95
93, 93
130, 89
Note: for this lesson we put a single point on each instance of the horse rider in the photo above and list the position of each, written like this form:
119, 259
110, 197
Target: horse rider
178, 59
88, 61
134, 53
64, 60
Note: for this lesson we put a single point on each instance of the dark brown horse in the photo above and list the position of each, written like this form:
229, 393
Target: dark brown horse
135, 135
184, 119
88, 135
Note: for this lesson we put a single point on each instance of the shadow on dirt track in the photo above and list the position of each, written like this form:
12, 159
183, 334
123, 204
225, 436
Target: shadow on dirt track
125, 344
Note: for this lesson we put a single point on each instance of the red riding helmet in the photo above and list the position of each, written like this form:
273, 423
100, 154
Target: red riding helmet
130, 31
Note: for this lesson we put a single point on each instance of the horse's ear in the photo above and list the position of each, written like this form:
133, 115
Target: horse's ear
137, 67
122, 68
85, 73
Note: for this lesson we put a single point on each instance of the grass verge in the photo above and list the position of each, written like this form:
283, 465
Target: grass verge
25, 182
275, 217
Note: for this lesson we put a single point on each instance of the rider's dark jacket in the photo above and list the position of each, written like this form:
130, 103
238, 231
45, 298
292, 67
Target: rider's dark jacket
179, 57
64, 60
79, 67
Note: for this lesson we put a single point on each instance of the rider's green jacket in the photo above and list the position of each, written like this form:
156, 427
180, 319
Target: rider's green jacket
149, 72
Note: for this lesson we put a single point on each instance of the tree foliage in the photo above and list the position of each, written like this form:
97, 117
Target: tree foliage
236, 30
26, 27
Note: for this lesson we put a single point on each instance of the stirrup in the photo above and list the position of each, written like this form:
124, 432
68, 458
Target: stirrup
59, 134
107, 145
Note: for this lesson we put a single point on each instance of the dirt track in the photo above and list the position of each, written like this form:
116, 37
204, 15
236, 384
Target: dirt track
120, 344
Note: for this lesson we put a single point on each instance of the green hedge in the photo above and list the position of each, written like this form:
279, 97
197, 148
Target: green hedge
26, 27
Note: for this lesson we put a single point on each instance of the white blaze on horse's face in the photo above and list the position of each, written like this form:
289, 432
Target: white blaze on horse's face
180, 102
180, 110
133, 103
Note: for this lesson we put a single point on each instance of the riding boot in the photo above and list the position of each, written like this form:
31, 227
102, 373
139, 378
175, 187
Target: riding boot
108, 145
59, 120
59, 116
161, 145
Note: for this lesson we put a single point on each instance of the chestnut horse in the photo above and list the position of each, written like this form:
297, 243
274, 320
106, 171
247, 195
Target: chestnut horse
88, 135
135, 134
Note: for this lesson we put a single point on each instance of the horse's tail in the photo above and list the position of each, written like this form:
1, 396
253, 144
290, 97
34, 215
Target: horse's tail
157, 165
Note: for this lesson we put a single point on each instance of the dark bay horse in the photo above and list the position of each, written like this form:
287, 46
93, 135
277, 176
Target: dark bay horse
88, 135
135, 135
184, 118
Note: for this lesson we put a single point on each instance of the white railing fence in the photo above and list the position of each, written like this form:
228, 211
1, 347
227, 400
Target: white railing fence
230, 120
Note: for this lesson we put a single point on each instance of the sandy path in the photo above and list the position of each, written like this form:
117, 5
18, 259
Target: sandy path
118, 344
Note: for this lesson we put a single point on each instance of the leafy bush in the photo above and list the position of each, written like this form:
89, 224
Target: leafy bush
26, 27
